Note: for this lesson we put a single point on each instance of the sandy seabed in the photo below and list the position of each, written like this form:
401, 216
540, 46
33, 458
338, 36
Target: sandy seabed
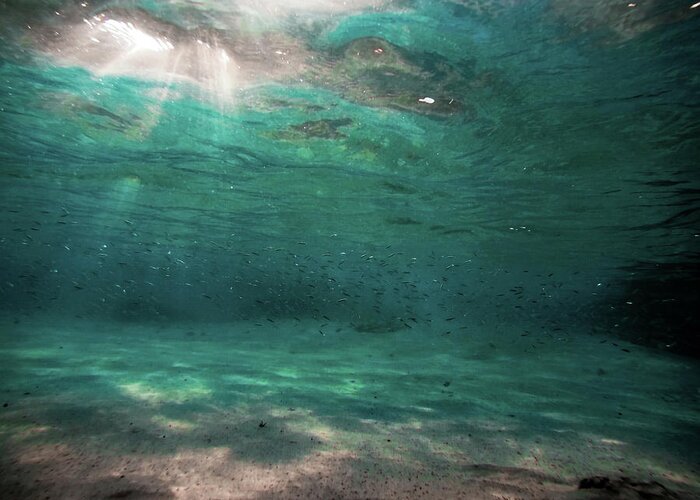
275, 410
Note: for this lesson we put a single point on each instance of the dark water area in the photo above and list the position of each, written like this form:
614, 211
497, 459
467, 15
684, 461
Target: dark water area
447, 244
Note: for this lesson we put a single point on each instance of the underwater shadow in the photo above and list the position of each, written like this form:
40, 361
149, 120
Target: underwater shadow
39, 479
258, 435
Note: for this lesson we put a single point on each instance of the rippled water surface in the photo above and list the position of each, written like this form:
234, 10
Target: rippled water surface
349, 249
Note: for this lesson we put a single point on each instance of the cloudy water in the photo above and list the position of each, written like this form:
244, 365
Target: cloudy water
359, 249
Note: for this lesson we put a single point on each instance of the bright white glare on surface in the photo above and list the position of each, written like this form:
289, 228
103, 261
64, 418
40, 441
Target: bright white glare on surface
135, 38
129, 35
143, 47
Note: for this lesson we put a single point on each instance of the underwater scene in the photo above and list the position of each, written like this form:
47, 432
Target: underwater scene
382, 249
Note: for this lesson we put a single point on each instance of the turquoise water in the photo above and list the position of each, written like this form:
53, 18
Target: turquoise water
360, 249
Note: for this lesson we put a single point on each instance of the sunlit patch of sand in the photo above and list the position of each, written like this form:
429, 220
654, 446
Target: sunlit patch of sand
287, 413
41, 453
287, 373
412, 425
34, 431
19, 432
245, 380
173, 424
679, 478
348, 387
315, 428
615, 442
423, 409
152, 394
